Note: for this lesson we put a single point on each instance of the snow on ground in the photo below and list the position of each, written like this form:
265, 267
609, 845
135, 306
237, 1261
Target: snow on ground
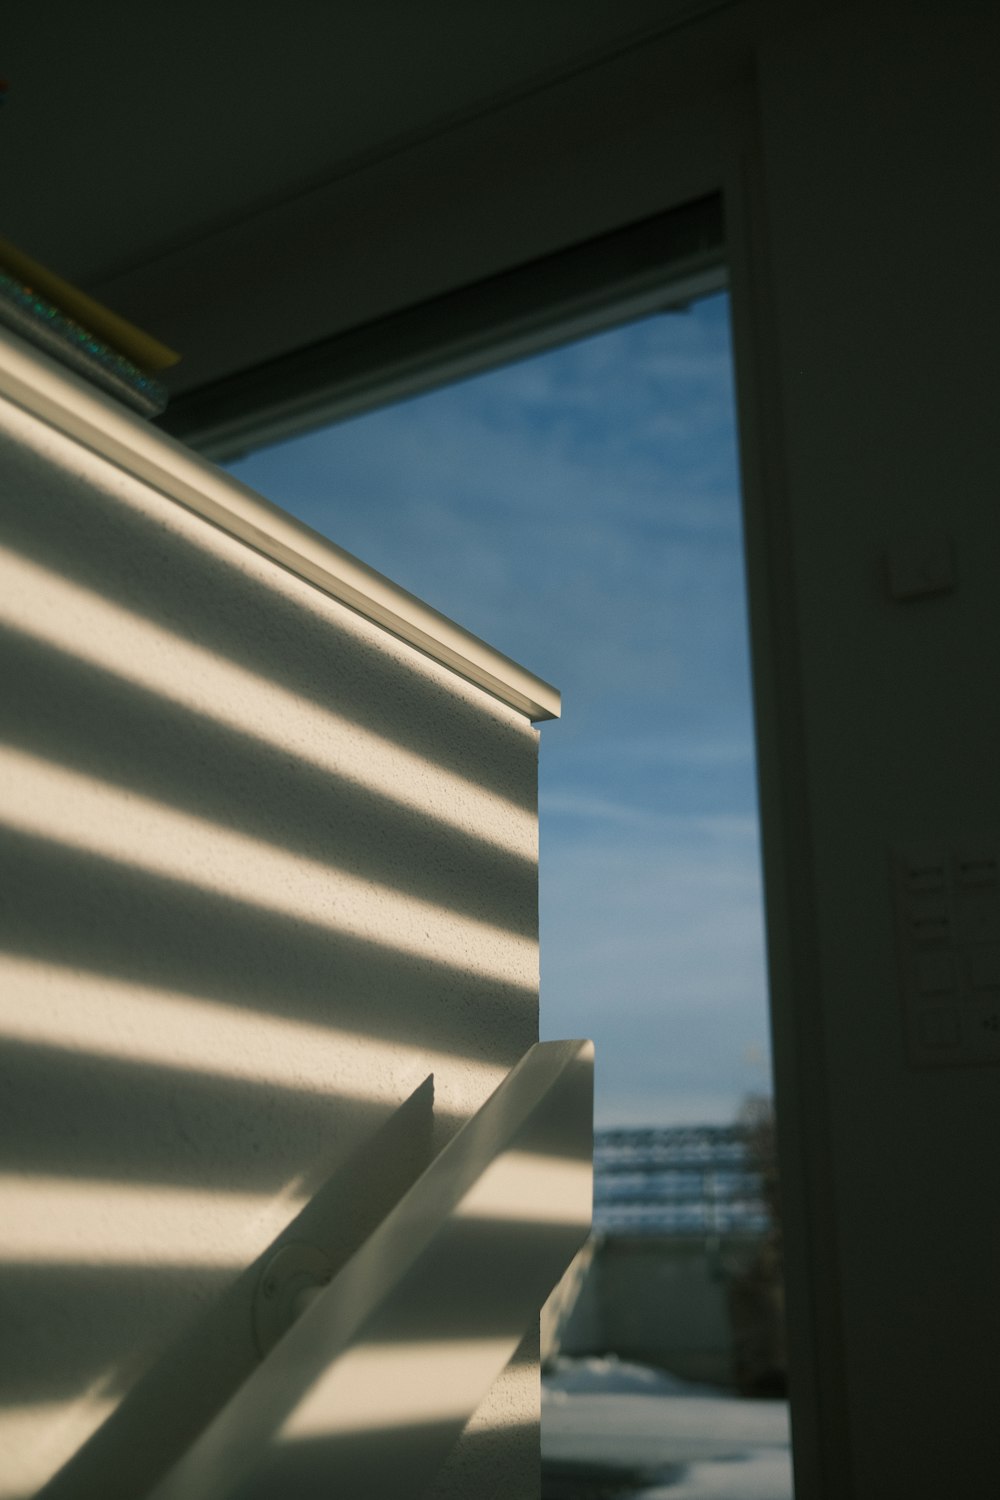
607, 1375
609, 1428
761, 1476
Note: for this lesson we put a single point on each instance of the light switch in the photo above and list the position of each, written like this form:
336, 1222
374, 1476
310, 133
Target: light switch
920, 565
935, 972
947, 908
980, 869
923, 875
939, 1027
983, 1026
930, 921
984, 967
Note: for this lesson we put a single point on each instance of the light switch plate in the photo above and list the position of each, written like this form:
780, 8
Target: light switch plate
920, 565
947, 908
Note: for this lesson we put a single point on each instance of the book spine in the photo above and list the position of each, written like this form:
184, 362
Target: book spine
38, 321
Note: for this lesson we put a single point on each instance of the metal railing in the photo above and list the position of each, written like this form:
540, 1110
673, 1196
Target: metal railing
678, 1180
368, 1389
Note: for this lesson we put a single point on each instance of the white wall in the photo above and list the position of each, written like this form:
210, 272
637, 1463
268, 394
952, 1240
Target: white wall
872, 317
857, 151
265, 869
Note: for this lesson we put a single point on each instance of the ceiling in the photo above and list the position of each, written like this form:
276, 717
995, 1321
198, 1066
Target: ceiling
250, 180
129, 130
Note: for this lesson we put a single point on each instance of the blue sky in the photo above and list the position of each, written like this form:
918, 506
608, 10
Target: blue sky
580, 511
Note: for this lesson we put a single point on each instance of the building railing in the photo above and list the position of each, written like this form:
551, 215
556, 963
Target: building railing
679, 1180
372, 1375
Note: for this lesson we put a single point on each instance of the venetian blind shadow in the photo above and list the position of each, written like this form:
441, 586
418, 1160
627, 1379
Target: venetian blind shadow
212, 594
63, 710
166, 1409
370, 1389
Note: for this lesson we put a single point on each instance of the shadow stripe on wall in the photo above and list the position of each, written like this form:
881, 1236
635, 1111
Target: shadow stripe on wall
93, 722
75, 909
171, 570
91, 633
106, 1020
45, 799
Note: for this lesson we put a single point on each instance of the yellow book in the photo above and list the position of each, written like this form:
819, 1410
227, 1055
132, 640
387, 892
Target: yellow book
141, 348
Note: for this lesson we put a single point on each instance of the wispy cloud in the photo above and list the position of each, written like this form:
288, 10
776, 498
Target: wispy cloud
581, 511
594, 809
666, 747
653, 945
547, 494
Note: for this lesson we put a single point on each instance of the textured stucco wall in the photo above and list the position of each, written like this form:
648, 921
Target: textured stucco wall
265, 868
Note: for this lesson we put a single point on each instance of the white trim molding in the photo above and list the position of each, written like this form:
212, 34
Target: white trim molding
38, 384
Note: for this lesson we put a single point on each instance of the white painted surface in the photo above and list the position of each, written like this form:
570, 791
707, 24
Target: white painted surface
91, 419
371, 1387
857, 151
268, 868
